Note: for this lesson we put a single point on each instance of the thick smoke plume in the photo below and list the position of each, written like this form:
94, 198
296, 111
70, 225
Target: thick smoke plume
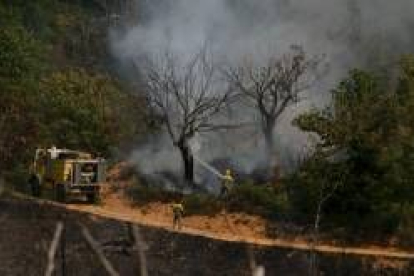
350, 33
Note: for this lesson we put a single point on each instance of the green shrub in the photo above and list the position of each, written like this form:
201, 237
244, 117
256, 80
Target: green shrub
262, 200
196, 204
257, 200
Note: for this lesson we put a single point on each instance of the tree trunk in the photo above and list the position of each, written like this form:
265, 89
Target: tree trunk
270, 154
188, 161
269, 144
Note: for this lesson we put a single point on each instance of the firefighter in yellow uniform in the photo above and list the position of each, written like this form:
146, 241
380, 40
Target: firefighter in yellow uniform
226, 182
178, 212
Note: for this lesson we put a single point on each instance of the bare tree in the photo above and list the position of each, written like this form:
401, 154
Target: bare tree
273, 86
186, 94
326, 191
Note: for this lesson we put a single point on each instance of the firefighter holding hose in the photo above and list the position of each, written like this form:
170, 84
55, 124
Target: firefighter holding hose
226, 182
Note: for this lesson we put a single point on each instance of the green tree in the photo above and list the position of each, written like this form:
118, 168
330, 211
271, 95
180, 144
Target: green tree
20, 66
41, 102
366, 133
81, 110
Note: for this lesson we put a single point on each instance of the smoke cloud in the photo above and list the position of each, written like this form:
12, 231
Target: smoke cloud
350, 33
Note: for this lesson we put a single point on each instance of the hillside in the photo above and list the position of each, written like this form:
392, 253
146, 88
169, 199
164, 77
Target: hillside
57, 83
285, 128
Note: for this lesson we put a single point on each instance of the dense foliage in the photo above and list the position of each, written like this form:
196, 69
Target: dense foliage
366, 149
55, 83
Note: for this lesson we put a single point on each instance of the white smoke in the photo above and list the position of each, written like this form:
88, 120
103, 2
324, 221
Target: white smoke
350, 33
157, 155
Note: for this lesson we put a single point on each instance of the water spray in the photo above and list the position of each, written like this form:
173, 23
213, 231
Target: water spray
208, 167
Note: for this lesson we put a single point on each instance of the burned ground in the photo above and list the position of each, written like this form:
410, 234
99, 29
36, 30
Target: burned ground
26, 230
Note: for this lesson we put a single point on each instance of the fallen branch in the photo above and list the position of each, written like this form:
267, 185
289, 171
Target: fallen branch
140, 246
97, 250
256, 270
53, 248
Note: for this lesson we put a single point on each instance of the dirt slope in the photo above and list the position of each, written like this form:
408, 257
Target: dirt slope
224, 226
235, 227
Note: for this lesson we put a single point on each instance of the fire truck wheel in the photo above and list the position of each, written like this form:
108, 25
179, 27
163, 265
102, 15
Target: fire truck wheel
35, 186
92, 197
60, 193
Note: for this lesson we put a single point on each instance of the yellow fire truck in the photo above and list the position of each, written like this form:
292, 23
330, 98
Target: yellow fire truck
67, 172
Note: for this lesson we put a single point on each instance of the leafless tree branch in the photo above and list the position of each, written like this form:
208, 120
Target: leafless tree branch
274, 85
98, 252
53, 248
324, 196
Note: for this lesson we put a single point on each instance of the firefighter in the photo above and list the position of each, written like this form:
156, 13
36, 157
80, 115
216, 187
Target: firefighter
178, 212
226, 182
